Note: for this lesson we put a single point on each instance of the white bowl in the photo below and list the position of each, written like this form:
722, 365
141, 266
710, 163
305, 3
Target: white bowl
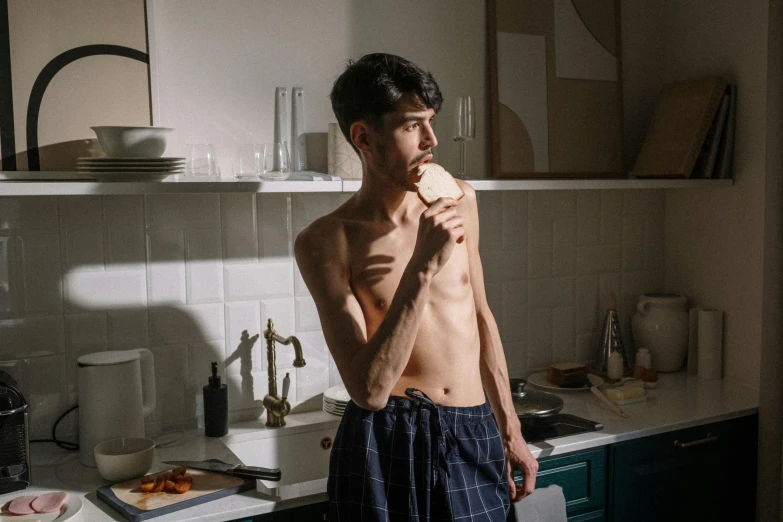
132, 142
124, 458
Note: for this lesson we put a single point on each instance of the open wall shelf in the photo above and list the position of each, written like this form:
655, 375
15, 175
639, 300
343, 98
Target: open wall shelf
66, 184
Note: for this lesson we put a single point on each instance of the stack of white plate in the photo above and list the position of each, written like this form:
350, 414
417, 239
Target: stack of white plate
141, 169
336, 399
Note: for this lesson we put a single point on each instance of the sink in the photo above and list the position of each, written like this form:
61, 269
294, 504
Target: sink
302, 454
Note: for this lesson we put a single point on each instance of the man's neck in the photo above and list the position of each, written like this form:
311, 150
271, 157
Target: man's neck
382, 200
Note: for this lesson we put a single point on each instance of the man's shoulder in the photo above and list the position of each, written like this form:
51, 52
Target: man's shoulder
470, 192
324, 236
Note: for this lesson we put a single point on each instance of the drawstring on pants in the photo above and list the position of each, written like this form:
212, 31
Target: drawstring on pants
444, 443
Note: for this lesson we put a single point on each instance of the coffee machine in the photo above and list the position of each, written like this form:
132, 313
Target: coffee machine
14, 437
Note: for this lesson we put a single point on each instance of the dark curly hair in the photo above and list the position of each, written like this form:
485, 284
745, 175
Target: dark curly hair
371, 87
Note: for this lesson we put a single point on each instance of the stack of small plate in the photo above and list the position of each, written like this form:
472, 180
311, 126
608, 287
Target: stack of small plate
138, 169
336, 399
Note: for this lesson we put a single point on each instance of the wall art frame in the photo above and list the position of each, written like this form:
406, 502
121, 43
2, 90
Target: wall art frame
555, 88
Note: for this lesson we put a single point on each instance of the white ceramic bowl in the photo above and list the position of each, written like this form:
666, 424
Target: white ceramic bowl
132, 142
124, 458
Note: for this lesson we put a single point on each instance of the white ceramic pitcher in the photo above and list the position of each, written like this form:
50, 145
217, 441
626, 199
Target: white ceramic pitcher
116, 392
661, 324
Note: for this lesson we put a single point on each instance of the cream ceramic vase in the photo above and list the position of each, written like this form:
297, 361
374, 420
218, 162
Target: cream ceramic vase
661, 324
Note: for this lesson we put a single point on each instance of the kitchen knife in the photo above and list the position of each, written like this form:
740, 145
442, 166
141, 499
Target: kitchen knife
218, 466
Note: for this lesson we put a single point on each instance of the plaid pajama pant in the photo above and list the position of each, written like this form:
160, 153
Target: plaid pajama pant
414, 460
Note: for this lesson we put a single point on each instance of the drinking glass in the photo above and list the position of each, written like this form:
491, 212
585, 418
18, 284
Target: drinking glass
249, 161
276, 161
464, 128
201, 161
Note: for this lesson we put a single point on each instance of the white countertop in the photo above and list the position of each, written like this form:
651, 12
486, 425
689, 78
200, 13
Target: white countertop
678, 402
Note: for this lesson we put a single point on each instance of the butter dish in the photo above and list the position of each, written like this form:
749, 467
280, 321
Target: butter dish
626, 394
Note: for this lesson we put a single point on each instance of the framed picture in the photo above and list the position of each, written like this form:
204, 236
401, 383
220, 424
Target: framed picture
555, 88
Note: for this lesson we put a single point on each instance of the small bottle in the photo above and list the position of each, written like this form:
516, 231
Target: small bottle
614, 366
643, 358
215, 406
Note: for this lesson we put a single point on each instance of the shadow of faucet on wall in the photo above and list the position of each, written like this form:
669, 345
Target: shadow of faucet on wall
244, 352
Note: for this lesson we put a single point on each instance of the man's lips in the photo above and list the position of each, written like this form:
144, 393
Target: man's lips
426, 159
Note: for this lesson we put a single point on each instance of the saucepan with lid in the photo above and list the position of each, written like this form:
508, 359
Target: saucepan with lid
533, 404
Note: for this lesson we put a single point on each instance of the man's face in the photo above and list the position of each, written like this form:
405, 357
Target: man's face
404, 141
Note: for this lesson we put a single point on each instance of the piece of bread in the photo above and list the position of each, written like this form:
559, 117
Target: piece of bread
567, 374
436, 182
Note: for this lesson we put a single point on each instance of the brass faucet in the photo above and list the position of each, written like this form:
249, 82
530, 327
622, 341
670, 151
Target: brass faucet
278, 407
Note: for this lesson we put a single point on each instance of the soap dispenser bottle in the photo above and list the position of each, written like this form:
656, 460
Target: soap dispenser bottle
215, 406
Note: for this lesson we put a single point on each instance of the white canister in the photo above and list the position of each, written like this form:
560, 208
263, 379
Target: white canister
661, 325
614, 367
643, 358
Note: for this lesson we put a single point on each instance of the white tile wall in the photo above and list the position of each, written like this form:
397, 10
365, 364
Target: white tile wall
574, 248
186, 275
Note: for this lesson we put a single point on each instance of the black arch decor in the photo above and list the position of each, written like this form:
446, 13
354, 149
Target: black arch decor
47, 74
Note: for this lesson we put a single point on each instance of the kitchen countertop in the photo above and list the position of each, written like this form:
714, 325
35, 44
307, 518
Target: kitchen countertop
678, 402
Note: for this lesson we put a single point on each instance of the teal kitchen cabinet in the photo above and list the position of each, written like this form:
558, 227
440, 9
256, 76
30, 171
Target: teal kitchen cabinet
705, 472
702, 473
582, 475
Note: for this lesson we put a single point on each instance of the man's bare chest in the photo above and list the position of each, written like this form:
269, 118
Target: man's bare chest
378, 260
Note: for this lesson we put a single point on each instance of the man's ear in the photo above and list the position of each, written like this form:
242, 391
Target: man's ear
359, 136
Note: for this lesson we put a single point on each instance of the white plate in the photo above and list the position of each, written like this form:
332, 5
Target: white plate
80, 168
337, 393
334, 412
128, 176
336, 403
130, 163
70, 508
539, 381
129, 160
130, 166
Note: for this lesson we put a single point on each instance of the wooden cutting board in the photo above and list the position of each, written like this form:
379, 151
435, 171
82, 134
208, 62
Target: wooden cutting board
131, 502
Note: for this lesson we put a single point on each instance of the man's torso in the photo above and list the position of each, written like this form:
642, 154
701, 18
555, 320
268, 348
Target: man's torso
444, 362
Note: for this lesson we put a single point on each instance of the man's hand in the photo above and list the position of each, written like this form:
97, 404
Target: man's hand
518, 457
440, 228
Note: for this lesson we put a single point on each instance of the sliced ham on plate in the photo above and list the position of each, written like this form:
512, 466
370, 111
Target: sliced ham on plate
21, 506
49, 502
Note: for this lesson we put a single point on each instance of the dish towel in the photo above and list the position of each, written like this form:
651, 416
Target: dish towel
543, 505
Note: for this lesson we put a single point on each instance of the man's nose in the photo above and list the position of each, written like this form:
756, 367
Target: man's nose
428, 139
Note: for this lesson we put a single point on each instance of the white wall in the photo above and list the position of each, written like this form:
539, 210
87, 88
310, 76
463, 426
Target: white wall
723, 246
217, 64
714, 237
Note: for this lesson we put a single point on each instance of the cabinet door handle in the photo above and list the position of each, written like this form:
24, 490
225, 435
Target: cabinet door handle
709, 438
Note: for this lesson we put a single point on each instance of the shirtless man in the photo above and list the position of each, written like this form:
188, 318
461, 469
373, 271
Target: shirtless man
399, 289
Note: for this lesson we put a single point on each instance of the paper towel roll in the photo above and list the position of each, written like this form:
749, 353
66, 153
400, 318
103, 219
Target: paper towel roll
341, 158
693, 340
710, 344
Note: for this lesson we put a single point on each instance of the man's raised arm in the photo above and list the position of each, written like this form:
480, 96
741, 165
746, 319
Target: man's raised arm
371, 367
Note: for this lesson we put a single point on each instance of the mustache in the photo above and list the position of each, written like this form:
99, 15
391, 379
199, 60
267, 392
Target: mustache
422, 156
